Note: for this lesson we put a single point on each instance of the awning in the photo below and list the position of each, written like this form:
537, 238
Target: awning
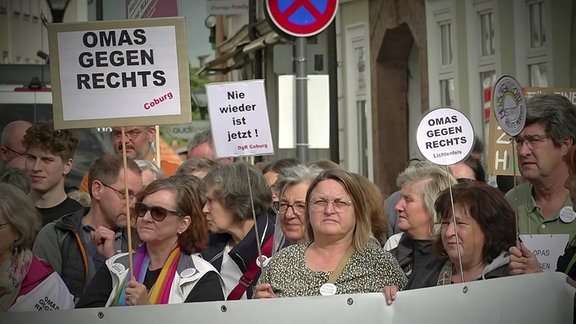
238, 57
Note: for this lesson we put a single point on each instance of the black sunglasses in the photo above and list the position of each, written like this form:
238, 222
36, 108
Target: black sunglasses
158, 213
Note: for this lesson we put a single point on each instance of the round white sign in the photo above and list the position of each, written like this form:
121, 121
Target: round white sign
509, 105
445, 136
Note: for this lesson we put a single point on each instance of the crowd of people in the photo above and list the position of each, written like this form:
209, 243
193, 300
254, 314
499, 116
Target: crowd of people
140, 231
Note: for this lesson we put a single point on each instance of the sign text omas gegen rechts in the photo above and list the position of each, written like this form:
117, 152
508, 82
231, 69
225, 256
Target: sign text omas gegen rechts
117, 57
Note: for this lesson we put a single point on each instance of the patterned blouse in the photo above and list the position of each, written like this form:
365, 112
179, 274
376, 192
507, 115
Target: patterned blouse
366, 271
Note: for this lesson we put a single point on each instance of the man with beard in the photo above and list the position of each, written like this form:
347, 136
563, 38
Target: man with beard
49, 158
78, 244
138, 141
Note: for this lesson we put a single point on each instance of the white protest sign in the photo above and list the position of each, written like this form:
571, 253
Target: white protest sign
509, 105
120, 73
239, 118
546, 247
445, 136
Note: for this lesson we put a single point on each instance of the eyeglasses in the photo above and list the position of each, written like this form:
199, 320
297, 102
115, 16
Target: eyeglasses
5, 224
158, 213
121, 194
530, 140
14, 151
339, 205
131, 134
298, 207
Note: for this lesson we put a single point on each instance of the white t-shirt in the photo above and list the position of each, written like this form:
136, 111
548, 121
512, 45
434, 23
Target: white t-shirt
230, 272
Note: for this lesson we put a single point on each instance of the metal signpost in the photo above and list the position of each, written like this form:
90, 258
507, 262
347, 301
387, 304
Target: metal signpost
300, 19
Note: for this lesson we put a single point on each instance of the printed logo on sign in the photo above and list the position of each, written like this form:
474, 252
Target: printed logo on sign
509, 105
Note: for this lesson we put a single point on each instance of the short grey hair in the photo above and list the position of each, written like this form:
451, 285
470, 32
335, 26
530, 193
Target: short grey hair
152, 166
438, 180
199, 138
556, 113
20, 212
294, 175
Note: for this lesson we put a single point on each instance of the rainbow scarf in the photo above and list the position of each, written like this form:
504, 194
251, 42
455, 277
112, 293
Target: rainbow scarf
160, 292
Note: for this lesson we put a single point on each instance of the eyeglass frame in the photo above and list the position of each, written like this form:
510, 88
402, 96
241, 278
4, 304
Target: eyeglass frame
342, 203
530, 140
150, 209
14, 151
131, 134
287, 206
121, 194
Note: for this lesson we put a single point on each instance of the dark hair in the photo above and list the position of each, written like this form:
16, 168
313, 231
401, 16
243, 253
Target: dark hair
233, 184
107, 169
556, 113
190, 200
61, 142
196, 164
477, 168
488, 206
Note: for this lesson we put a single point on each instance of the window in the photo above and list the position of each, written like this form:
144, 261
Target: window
537, 31
446, 43
447, 92
487, 79
537, 75
487, 34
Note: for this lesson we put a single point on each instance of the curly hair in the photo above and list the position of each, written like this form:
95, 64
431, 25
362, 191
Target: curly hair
61, 142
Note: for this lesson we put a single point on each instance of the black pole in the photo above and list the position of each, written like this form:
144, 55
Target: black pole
99, 10
333, 86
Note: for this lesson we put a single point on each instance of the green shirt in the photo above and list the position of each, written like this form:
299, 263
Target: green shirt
530, 218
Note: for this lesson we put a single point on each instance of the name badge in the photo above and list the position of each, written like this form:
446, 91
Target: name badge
567, 215
328, 289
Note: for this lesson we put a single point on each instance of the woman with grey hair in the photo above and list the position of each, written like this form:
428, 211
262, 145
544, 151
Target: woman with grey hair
420, 183
25, 280
150, 171
292, 185
237, 209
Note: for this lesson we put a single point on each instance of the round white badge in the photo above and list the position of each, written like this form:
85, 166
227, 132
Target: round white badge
186, 273
328, 289
445, 136
567, 214
509, 105
262, 261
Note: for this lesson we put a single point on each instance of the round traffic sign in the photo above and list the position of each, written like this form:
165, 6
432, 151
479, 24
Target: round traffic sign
301, 18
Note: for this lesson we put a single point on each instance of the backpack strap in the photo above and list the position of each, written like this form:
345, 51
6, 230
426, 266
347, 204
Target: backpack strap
246, 280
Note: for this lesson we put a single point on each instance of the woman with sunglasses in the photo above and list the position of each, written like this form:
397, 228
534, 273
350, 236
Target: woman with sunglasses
342, 257
167, 269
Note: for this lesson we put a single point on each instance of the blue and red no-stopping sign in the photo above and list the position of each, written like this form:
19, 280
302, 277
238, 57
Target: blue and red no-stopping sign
301, 18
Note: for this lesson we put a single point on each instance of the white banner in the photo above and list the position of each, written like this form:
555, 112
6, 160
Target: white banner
536, 298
